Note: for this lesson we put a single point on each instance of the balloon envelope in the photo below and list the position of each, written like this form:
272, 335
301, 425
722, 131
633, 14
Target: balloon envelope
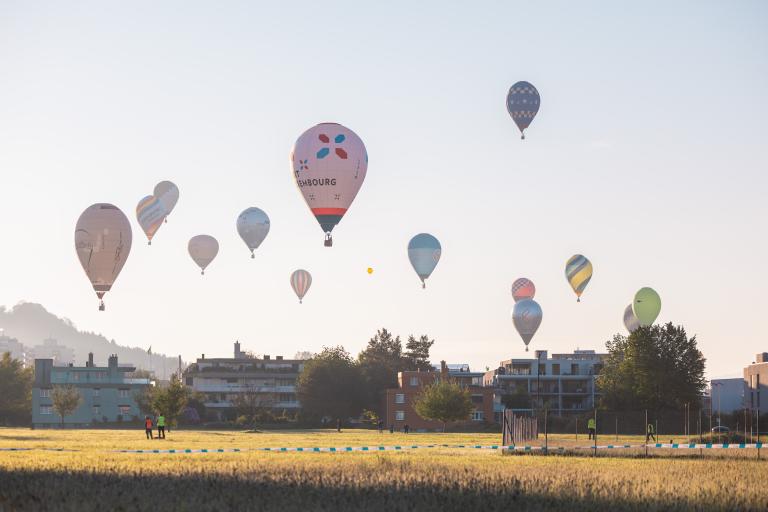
253, 227
630, 320
103, 241
522, 289
578, 272
329, 165
168, 194
301, 280
646, 306
522, 104
527, 315
203, 249
150, 213
424, 252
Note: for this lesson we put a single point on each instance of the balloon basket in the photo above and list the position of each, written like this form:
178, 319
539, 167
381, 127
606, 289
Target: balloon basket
149, 243
102, 307
253, 256
328, 241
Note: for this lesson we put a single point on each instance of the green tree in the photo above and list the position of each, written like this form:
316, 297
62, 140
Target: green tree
656, 368
170, 400
331, 385
66, 400
416, 355
15, 391
516, 399
444, 401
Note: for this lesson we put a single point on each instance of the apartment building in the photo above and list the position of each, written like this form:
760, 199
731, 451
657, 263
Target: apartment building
565, 383
726, 395
756, 384
107, 394
13, 347
398, 408
50, 349
264, 381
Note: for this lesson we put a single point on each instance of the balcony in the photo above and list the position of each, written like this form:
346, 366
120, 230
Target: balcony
242, 388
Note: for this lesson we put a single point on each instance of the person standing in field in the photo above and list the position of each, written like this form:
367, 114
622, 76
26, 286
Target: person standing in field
649, 433
338, 425
148, 427
381, 426
161, 426
591, 426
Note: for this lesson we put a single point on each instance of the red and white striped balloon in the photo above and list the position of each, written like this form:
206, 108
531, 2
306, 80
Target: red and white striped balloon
301, 280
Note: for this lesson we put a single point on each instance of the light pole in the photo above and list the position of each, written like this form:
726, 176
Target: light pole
720, 392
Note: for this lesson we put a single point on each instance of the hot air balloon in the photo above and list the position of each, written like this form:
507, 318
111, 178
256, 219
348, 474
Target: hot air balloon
630, 320
522, 104
301, 280
370, 270
646, 306
424, 252
203, 249
150, 214
253, 227
102, 241
329, 165
522, 289
168, 195
527, 315
578, 272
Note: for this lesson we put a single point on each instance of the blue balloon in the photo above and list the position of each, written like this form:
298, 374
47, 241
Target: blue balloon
522, 104
424, 252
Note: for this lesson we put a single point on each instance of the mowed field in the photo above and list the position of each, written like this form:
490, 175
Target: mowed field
93, 476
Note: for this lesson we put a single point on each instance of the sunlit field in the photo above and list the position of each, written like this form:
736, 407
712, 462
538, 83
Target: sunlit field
93, 477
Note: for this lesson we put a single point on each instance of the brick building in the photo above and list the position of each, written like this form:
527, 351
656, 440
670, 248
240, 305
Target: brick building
398, 406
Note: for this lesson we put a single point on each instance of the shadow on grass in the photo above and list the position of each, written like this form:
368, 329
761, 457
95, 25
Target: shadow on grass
298, 490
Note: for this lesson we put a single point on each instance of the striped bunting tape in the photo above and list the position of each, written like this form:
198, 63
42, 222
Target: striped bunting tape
370, 449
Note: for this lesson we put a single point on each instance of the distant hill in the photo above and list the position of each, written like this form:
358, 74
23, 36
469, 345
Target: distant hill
31, 323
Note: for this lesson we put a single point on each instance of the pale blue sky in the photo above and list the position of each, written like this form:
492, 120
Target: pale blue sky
647, 156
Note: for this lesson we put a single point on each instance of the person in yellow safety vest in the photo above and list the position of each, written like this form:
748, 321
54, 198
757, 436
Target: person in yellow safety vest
649, 433
591, 428
161, 427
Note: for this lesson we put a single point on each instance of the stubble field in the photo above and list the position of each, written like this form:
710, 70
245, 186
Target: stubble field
93, 476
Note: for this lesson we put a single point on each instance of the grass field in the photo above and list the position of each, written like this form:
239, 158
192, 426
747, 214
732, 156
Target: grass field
93, 477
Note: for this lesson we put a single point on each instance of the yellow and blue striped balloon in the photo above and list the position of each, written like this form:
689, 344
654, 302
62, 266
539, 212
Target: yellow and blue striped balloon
578, 272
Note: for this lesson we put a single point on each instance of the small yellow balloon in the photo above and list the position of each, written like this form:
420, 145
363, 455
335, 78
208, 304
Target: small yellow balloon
370, 270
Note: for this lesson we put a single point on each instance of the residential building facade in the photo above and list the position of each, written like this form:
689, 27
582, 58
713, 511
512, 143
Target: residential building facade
398, 402
50, 349
260, 382
564, 383
756, 384
15, 348
106, 393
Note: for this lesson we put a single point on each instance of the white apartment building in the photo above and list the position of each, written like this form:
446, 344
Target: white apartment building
565, 383
271, 383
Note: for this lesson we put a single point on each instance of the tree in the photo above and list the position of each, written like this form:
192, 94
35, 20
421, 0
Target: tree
304, 355
252, 404
517, 399
416, 355
15, 391
654, 368
444, 401
170, 400
66, 400
331, 385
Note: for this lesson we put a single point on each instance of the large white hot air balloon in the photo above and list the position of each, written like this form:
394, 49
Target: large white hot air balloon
253, 227
527, 315
329, 165
203, 249
102, 241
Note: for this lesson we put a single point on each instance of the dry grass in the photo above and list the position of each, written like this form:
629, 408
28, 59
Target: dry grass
438, 479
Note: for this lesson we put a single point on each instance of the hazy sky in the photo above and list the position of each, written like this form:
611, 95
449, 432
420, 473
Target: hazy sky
648, 156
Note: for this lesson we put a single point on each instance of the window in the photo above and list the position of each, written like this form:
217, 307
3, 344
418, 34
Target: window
45, 393
75, 376
414, 381
96, 392
125, 410
46, 409
542, 369
189, 381
287, 397
96, 410
477, 416
124, 393
400, 415
477, 399
574, 369
555, 369
399, 398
